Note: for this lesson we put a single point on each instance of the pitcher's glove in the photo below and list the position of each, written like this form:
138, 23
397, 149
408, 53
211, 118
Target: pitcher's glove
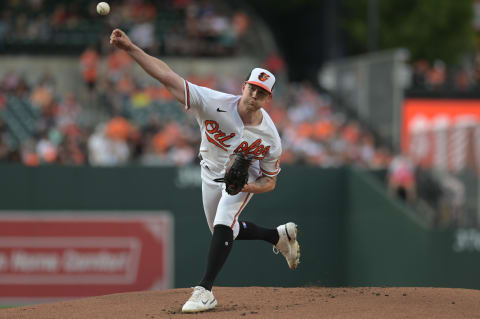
236, 174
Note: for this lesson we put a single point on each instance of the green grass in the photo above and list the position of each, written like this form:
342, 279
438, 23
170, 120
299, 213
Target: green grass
7, 306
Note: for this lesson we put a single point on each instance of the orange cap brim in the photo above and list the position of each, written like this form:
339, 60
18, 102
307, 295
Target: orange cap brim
263, 86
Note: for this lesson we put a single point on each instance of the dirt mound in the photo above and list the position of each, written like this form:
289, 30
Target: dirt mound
262, 302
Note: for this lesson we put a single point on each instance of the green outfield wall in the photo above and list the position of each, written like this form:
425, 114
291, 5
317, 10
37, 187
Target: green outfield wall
387, 245
351, 231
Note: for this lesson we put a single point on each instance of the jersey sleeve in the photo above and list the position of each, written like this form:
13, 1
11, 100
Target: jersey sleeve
270, 165
199, 97
193, 96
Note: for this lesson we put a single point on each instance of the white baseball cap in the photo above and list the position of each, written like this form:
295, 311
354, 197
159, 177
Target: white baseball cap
262, 78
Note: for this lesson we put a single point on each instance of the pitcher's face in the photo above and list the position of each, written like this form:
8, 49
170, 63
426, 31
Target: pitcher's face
254, 95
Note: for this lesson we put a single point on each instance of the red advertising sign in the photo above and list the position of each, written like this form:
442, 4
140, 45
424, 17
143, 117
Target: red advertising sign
65, 255
442, 133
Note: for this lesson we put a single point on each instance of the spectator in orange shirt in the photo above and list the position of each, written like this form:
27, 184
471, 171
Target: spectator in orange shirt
117, 62
323, 130
90, 61
351, 132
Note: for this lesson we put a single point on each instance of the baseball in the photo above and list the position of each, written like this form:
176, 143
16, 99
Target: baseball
103, 8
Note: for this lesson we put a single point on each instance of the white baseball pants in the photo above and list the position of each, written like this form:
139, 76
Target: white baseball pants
220, 207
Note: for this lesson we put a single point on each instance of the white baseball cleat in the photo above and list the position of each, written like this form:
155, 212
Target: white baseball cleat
201, 300
288, 244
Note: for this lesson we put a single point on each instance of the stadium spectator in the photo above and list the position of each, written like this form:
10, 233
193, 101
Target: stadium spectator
90, 61
73, 145
106, 151
68, 111
46, 150
437, 75
42, 96
401, 178
118, 62
419, 74
143, 33
119, 129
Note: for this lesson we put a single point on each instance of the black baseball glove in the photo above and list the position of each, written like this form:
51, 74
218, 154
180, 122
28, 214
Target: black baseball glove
236, 174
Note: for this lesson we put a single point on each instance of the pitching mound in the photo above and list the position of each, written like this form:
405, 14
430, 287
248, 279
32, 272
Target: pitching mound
260, 302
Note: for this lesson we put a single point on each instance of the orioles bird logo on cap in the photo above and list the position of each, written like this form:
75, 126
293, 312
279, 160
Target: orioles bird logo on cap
263, 76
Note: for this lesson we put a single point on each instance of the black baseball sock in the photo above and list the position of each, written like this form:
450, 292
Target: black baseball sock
250, 231
220, 247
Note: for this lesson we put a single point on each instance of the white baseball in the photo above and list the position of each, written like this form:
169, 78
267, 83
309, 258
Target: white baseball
103, 8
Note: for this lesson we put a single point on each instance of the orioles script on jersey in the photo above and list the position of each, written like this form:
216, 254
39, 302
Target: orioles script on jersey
257, 149
216, 136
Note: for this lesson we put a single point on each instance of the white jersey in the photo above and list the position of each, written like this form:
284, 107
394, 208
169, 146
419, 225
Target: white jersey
223, 132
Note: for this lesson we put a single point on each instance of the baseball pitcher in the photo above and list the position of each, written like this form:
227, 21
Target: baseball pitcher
239, 153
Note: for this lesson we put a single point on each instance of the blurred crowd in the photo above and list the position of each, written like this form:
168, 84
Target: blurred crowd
180, 27
141, 122
144, 124
437, 76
